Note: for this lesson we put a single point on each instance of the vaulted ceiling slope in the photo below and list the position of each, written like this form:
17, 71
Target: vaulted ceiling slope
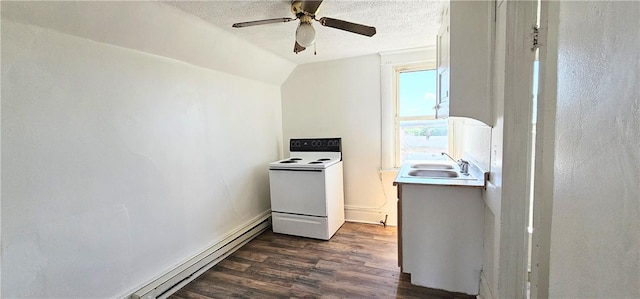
154, 28
400, 24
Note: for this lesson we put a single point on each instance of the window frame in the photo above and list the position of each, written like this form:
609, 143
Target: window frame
397, 162
389, 62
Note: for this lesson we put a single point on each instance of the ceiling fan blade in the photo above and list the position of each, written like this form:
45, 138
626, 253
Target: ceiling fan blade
311, 6
298, 48
262, 22
348, 26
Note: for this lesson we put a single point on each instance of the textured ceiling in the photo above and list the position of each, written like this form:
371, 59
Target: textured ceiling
400, 25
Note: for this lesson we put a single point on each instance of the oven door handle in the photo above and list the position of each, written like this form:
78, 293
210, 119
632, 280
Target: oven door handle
296, 169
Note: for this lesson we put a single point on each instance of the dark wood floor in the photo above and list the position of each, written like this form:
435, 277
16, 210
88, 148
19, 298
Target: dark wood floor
360, 261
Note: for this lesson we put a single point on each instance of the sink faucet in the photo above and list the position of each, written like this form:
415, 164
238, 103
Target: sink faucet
464, 165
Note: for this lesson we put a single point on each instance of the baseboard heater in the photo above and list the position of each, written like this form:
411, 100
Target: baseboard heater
169, 283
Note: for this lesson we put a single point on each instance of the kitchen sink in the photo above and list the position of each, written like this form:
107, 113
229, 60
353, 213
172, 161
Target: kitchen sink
438, 172
432, 166
433, 173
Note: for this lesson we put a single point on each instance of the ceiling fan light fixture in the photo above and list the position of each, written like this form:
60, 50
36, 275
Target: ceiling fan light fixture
305, 34
305, 11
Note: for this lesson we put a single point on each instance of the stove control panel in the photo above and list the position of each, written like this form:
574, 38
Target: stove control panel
315, 145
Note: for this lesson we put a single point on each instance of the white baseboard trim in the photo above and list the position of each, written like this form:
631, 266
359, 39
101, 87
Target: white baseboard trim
373, 216
359, 221
186, 272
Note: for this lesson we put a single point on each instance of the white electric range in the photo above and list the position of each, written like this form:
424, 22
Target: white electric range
307, 197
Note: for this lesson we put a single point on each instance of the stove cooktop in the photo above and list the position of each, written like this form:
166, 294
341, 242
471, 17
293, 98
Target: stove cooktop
307, 162
311, 153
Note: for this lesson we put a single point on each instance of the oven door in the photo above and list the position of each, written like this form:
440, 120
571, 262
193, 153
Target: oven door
298, 191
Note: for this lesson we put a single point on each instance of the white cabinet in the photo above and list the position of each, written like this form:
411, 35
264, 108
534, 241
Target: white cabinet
441, 236
463, 60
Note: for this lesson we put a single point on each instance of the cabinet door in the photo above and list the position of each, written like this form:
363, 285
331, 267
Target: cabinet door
443, 62
442, 108
442, 42
468, 35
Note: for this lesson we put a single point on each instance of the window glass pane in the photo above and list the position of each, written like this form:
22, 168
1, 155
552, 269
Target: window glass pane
423, 139
417, 93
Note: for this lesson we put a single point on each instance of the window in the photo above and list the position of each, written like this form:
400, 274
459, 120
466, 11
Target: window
418, 134
408, 128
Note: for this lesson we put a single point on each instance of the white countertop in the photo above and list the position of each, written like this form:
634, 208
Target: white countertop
477, 177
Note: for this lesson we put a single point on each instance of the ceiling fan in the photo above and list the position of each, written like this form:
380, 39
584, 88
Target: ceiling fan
305, 11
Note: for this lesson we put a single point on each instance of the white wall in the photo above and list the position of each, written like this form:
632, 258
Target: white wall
118, 164
595, 230
472, 141
341, 98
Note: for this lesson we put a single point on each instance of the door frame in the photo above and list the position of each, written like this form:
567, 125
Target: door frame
545, 146
516, 167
